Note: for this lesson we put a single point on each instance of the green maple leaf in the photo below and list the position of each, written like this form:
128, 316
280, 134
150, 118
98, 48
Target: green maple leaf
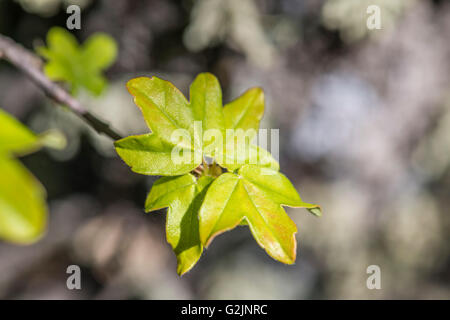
80, 66
168, 112
165, 111
206, 104
246, 111
243, 115
184, 196
203, 201
256, 195
23, 211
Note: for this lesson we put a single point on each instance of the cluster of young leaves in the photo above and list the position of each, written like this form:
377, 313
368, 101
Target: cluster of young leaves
81, 66
202, 207
23, 210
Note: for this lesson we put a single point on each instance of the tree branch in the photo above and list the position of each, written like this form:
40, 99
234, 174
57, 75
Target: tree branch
31, 65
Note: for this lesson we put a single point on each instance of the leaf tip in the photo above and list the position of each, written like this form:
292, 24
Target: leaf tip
182, 269
317, 211
131, 84
257, 90
206, 75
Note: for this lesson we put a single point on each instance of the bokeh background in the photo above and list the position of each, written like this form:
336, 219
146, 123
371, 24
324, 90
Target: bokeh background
364, 120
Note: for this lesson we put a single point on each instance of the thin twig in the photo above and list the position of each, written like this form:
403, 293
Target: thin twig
31, 65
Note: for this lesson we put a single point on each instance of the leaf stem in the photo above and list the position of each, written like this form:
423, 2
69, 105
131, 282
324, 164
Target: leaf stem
31, 65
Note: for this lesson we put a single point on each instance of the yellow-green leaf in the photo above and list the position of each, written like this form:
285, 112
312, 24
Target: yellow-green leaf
79, 66
246, 111
206, 105
148, 154
183, 195
23, 212
60, 42
242, 116
14, 136
251, 193
238, 154
255, 194
99, 51
164, 107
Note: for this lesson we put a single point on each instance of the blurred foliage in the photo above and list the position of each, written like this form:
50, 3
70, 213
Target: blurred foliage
15, 137
47, 8
236, 21
349, 16
23, 212
79, 66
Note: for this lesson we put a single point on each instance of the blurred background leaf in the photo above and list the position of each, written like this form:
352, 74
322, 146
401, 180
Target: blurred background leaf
14, 136
79, 66
23, 211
